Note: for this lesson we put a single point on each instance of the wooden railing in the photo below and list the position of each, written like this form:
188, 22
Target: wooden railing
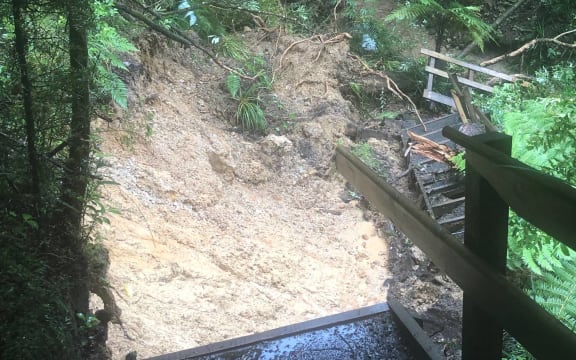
469, 81
494, 183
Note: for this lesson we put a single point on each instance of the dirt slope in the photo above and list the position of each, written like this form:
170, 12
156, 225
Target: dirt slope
222, 234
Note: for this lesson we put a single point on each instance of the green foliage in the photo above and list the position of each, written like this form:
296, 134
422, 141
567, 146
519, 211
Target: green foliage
34, 321
541, 117
232, 47
249, 114
106, 47
364, 152
453, 18
40, 257
371, 37
555, 291
458, 161
513, 350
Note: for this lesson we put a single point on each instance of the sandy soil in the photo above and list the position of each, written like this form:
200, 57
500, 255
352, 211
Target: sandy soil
222, 234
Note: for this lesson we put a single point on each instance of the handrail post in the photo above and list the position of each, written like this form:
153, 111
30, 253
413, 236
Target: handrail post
485, 234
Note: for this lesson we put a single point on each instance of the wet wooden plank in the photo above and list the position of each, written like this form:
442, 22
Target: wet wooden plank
435, 96
421, 345
306, 326
444, 207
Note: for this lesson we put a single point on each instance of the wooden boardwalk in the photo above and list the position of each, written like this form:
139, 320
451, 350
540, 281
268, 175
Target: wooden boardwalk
373, 332
441, 186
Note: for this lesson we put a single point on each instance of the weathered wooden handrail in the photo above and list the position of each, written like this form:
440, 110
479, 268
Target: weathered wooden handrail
545, 201
430, 94
467, 65
542, 334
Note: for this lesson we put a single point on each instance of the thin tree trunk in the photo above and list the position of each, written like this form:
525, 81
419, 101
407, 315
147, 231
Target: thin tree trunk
440, 38
76, 178
21, 50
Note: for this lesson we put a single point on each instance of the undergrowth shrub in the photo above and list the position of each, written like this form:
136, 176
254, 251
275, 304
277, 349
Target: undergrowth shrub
34, 319
106, 46
541, 117
249, 114
364, 152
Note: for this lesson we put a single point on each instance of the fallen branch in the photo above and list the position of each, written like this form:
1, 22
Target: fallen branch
180, 38
529, 44
392, 87
335, 16
431, 149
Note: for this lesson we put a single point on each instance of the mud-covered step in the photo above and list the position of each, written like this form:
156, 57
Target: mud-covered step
442, 208
452, 223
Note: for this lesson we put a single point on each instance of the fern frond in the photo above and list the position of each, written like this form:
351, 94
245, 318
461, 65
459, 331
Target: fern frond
232, 47
415, 11
529, 261
555, 291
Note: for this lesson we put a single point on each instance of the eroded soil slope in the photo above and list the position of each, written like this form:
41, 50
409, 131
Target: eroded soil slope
222, 234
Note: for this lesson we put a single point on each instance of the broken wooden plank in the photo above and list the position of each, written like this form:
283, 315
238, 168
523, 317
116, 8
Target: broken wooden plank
467, 65
461, 80
430, 149
435, 96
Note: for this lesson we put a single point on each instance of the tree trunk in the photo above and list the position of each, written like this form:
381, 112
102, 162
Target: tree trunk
20, 41
76, 178
440, 34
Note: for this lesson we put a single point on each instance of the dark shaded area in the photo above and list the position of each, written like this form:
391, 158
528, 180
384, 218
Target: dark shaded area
372, 338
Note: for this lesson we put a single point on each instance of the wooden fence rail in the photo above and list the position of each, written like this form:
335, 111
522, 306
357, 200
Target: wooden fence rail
481, 280
469, 81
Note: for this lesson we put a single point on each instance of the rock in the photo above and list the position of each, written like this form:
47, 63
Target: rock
312, 130
220, 166
276, 145
253, 172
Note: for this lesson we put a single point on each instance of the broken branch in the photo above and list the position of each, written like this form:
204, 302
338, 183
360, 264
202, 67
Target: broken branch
529, 44
431, 149
392, 87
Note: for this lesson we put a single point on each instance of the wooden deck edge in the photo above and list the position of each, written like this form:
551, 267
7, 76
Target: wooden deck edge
289, 330
418, 342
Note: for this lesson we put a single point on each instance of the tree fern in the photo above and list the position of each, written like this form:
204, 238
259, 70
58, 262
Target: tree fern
415, 11
106, 46
454, 18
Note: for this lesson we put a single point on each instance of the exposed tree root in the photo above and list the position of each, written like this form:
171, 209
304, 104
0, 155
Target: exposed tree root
333, 39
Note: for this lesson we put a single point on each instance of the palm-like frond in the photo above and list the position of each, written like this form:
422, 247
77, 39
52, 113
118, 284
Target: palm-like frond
456, 16
416, 11
468, 17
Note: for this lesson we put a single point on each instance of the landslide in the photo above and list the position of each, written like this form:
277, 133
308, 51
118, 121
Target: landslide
223, 233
